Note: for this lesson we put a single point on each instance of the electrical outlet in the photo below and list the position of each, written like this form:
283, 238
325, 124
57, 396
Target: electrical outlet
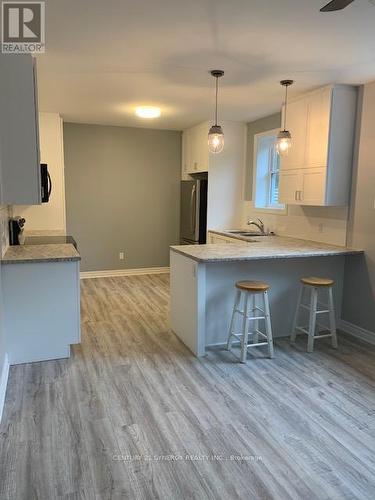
121, 256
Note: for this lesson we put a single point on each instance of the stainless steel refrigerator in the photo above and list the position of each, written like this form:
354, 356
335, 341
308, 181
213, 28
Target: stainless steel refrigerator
193, 214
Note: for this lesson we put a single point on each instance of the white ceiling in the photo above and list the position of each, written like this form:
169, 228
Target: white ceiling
104, 57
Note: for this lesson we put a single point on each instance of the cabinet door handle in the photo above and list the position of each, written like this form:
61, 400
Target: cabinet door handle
193, 208
300, 196
295, 195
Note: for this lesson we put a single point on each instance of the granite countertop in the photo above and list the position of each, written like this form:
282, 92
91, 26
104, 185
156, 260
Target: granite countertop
19, 254
263, 247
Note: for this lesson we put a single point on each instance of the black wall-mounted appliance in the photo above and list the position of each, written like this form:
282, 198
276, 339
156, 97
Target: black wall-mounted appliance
46, 183
15, 230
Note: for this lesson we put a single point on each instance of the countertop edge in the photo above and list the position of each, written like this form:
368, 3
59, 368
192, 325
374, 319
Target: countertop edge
37, 254
39, 260
324, 253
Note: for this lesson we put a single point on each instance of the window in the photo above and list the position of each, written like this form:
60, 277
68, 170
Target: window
266, 172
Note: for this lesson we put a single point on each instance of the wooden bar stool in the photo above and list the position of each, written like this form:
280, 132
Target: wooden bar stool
313, 286
250, 291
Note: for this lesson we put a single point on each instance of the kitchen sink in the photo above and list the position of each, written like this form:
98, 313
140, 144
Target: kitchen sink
247, 233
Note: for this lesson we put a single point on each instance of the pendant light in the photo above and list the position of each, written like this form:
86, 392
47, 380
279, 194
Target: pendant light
215, 134
284, 137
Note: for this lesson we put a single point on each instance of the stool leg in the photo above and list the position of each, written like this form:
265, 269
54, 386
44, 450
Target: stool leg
312, 322
235, 306
256, 322
268, 324
245, 329
295, 320
332, 319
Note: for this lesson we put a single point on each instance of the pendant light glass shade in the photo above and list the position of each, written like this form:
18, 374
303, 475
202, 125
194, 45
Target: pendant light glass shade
283, 142
216, 134
284, 137
216, 139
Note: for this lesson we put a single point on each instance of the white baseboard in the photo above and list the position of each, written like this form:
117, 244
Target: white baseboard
3, 383
124, 272
357, 331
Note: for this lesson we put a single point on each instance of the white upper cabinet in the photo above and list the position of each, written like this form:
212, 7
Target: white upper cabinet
317, 170
296, 124
186, 153
312, 186
303, 186
290, 186
195, 154
318, 110
19, 132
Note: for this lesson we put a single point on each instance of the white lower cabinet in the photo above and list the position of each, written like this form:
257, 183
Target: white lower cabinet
305, 186
41, 305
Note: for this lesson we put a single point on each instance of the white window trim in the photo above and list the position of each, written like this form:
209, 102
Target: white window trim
264, 210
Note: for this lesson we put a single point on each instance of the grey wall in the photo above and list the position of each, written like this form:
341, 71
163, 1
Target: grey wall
359, 290
122, 194
261, 125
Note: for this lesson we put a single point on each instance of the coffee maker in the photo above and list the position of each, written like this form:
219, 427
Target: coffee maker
16, 225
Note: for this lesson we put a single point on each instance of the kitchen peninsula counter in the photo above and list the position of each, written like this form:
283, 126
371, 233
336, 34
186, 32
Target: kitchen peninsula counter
203, 279
261, 247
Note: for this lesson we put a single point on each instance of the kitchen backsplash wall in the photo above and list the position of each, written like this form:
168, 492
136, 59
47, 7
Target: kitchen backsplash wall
324, 224
327, 225
4, 229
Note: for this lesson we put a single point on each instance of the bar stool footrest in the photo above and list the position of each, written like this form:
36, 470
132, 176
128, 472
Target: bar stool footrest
257, 344
321, 311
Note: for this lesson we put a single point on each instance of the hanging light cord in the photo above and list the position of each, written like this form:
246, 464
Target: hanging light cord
286, 105
217, 89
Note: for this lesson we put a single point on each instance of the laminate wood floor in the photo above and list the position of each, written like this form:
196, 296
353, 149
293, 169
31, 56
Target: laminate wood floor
133, 415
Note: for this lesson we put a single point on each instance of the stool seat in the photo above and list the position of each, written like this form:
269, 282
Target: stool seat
255, 309
315, 287
313, 281
252, 286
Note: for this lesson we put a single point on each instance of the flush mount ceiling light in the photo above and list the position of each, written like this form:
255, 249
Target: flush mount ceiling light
284, 137
215, 134
147, 112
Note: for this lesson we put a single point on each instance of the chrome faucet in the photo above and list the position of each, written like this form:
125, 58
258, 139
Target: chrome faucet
259, 225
